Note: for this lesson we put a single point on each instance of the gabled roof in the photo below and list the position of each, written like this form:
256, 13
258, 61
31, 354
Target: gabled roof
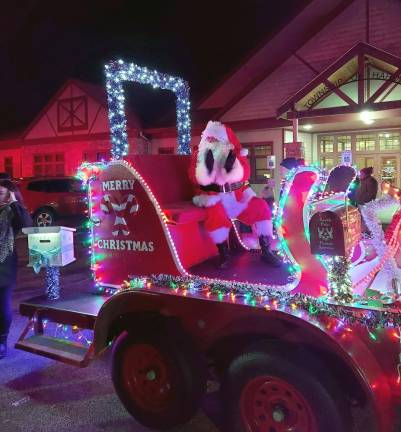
96, 92
350, 80
272, 54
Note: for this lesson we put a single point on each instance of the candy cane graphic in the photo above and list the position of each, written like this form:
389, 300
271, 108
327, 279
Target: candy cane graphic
120, 210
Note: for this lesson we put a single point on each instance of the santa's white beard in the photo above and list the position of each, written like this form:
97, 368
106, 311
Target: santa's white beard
218, 174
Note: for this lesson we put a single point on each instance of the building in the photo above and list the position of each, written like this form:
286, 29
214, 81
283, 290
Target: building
333, 74
73, 127
330, 79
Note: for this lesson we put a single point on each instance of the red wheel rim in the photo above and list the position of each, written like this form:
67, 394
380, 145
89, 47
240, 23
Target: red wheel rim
147, 377
270, 404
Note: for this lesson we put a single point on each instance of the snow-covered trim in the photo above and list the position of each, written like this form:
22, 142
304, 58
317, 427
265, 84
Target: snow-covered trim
206, 200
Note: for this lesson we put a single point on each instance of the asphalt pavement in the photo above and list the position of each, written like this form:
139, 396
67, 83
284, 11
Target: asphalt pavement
39, 394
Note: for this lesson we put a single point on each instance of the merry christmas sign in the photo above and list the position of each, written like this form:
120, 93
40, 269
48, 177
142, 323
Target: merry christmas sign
129, 234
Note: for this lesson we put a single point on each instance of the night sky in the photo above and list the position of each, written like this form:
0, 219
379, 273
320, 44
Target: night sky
45, 42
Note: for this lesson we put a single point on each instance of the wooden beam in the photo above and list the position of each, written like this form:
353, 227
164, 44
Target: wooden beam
385, 85
339, 92
361, 78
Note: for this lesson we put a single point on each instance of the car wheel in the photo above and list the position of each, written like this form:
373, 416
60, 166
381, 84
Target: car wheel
158, 377
269, 392
44, 217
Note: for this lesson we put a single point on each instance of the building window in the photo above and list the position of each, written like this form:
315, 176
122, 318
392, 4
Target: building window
327, 162
326, 144
96, 156
389, 141
365, 143
343, 143
8, 166
51, 164
72, 114
166, 150
257, 157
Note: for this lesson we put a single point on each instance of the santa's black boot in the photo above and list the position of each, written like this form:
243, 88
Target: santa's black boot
267, 255
3, 346
224, 256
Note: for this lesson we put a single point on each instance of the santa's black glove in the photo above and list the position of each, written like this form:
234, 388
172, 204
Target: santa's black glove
230, 161
209, 161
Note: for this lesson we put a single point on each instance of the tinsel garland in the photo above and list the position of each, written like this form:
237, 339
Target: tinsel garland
340, 284
52, 282
270, 299
370, 213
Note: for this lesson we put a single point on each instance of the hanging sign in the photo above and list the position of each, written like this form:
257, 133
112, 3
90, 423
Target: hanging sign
271, 162
346, 157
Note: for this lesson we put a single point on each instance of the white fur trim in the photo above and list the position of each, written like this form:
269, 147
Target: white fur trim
231, 205
216, 130
247, 195
235, 175
244, 152
206, 200
263, 228
219, 235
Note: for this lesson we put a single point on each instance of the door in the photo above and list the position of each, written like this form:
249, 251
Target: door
385, 167
389, 171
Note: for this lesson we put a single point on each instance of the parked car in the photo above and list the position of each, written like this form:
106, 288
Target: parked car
52, 198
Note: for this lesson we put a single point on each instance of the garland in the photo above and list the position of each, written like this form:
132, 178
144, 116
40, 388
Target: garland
384, 249
269, 299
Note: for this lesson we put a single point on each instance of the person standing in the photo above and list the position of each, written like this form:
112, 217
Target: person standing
367, 189
13, 217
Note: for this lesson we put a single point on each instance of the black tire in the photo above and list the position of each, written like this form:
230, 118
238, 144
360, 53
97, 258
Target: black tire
249, 387
44, 217
169, 354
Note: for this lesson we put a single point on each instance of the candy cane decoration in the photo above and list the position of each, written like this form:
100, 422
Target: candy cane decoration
121, 211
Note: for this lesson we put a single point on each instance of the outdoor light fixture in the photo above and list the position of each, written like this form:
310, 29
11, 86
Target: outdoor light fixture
308, 127
366, 117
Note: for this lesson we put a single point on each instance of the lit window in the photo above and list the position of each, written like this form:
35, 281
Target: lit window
327, 163
257, 157
365, 142
389, 141
343, 142
326, 144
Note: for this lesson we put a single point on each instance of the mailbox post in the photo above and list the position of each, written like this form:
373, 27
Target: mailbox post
51, 248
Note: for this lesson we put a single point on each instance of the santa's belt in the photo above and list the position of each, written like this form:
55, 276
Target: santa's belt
228, 187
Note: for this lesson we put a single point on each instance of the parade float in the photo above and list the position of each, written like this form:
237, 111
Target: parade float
295, 347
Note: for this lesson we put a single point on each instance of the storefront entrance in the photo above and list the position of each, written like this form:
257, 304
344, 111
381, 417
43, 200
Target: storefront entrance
380, 150
355, 104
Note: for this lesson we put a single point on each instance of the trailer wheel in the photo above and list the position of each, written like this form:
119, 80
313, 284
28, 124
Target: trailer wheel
158, 377
264, 392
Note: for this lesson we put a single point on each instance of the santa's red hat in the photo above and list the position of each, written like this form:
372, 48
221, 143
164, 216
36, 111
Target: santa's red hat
218, 132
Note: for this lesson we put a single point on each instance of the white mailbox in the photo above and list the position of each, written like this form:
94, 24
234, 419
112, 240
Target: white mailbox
50, 246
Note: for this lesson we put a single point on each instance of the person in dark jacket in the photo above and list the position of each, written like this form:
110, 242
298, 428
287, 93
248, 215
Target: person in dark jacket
367, 189
13, 216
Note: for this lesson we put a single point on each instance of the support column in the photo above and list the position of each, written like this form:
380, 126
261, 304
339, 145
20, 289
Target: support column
294, 130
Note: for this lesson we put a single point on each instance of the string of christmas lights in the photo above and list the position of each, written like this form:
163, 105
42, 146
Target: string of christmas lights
118, 72
236, 292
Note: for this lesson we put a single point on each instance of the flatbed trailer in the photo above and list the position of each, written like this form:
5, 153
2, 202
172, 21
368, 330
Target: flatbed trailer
288, 357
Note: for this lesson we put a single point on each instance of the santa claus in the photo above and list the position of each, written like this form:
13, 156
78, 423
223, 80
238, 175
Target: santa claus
221, 171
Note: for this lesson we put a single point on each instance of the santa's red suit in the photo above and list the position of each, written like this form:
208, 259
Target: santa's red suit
221, 171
